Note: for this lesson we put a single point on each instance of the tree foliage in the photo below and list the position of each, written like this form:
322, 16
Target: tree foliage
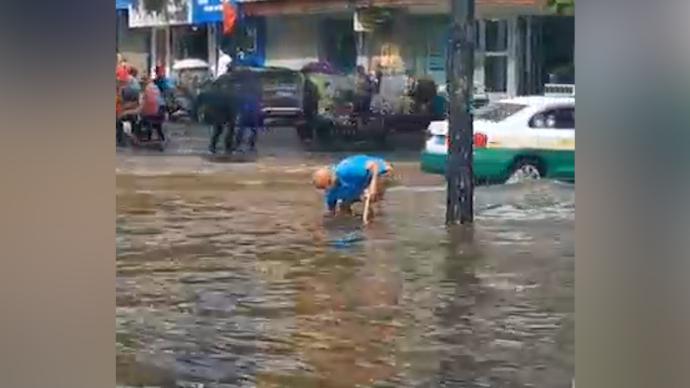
562, 7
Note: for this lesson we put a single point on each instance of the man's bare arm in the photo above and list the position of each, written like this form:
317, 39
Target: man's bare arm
373, 185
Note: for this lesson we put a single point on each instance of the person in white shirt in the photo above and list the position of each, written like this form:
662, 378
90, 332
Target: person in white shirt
224, 61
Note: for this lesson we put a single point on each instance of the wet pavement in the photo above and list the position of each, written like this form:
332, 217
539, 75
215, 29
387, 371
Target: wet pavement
229, 276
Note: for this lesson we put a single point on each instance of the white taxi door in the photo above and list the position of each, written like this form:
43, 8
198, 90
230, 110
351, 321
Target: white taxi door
555, 128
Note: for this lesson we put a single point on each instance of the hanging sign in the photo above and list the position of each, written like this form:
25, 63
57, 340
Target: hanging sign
173, 13
207, 11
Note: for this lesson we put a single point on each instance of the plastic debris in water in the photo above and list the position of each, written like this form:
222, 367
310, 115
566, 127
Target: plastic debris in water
347, 240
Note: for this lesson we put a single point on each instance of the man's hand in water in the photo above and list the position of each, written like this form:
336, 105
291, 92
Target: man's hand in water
345, 209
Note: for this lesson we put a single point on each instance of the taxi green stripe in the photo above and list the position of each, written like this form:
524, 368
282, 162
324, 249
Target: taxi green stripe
495, 164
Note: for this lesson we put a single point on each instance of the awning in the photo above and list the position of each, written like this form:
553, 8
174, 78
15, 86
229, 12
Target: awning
296, 7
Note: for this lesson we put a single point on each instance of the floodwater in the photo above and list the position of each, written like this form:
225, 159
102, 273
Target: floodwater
232, 278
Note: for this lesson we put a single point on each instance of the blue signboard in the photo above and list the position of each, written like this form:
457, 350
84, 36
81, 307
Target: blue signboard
122, 4
208, 11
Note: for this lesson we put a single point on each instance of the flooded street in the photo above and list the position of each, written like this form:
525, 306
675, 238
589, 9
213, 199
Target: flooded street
228, 275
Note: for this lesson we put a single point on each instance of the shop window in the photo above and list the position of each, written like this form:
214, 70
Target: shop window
495, 70
190, 42
247, 44
495, 60
496, 35
247, 40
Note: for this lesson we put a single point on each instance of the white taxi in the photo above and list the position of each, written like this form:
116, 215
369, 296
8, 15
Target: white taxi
515, 139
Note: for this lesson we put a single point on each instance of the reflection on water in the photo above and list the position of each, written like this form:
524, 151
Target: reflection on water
250, 286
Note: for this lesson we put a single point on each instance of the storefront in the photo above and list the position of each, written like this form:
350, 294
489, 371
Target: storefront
171, 34
291, 40
517, 43
131, 44
337, 43
247, 42
514, 54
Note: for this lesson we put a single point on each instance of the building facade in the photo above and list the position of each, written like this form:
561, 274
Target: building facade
518, 42
133, 44
182, 30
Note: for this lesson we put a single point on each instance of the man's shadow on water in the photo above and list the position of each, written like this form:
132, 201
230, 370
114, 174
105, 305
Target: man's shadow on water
344, 232
348, 232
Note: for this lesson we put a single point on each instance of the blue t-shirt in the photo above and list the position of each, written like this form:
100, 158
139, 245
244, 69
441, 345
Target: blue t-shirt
164, 84
352, 178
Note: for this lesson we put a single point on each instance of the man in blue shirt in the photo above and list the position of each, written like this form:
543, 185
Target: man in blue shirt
350, 180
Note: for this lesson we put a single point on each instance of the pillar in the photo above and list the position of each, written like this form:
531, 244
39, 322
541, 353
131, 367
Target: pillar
363, 50
168, 50
480, 54
153, 50
512, 71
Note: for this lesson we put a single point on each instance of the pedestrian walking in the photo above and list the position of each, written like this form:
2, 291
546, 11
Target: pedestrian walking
224, 62
221, 112
249, 110
127, 101
152, 108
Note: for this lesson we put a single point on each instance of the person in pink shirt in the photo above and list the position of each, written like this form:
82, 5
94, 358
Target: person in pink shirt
152, 110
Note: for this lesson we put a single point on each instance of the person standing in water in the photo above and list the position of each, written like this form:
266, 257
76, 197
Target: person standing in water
249, 110
354, 179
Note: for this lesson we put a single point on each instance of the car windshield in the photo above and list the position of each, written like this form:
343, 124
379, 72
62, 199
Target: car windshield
497, 111
280, 81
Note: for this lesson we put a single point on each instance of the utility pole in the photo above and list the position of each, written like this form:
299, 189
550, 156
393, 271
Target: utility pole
459, 75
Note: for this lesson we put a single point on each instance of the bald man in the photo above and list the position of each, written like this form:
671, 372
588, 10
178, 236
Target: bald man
350, 180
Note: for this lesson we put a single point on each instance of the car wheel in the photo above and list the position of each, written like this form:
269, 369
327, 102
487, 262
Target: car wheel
525, 170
